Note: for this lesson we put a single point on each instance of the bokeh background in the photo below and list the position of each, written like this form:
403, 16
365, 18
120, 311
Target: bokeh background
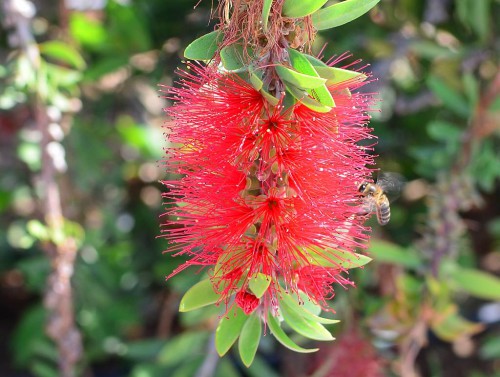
88, 71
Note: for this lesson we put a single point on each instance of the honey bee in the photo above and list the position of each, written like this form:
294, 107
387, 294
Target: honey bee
375, 199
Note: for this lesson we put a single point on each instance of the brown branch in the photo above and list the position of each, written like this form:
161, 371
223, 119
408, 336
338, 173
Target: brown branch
58, 298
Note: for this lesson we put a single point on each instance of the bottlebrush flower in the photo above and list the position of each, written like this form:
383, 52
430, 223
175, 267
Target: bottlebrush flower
263, 189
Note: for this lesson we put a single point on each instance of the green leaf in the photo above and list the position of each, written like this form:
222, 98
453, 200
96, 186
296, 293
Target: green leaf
269, 97
450, 326
232, 57
199, 295
292, 302
284, 339
205, 47
62, 52
301, 8
259, 284
387, 252
477, 283
451, 99
256, 81
266, 9
303, 65
306, 100
329, 257
441, 130
229, 330
322, 95
298, 79
182, 347
341, 13
335, 75
304, 326
490, 348
249, 339
315, 61
471, 88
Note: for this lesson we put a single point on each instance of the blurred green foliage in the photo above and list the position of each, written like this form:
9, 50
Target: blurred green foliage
434, 62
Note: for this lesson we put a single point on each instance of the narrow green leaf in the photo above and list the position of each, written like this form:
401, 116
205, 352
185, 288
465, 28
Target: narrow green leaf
341, 13
269, 97
256, 81
298, 79
293, 304
387, 252
249, 339
451, 99
284, 339
471, 88
335, 75
205, 47
329, 257
477, 283
62, 52
199, 295
266, 9
314, 61
322, 95
229, 330
306, 100
305, 327
259, 284
301, 8
300, 62
303, 65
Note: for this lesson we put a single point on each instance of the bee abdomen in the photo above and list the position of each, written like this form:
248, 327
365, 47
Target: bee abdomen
383, 213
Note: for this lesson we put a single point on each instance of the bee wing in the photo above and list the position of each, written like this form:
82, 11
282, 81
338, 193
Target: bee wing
392, 184
367, 206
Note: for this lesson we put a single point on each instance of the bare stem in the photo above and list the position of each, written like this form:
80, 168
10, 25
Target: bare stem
18, 15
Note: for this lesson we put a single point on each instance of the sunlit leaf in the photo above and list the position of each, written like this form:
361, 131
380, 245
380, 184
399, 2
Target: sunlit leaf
62, 52
199, 295
301, 8
476, 283
205, 47
450, 326
249, 339
298, 79
303, 97
283, 338
259, 284
229, 330
341, 13
315, 61
388, 252
328, 257
256, 81
336, 75
305, 327
292, 303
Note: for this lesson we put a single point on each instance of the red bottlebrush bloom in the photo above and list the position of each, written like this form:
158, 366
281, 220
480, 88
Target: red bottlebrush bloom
246, 301
260, 189
317, 282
